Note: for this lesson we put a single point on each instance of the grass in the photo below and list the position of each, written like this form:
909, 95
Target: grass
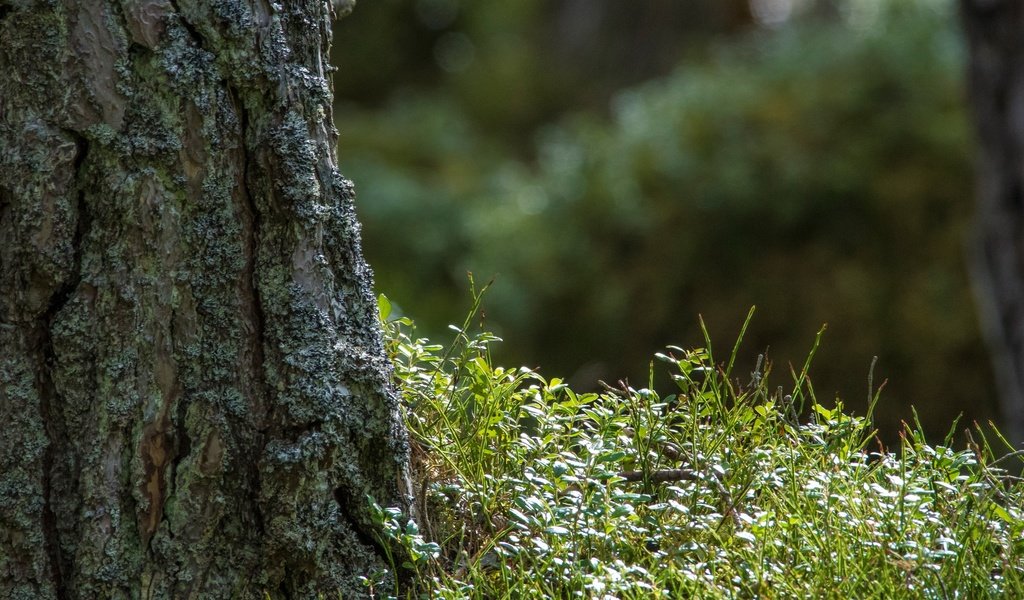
715, 489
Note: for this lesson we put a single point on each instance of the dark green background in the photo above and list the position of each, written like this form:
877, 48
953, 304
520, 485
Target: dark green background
622, 167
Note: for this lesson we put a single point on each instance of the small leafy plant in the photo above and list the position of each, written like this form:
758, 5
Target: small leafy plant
716, 489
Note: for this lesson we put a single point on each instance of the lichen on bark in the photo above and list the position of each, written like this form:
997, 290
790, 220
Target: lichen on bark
195, 391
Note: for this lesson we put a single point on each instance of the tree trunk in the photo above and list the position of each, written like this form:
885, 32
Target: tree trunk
193, 389
995, 37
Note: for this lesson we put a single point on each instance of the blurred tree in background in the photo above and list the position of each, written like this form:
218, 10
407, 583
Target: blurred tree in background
622, 167
996, 71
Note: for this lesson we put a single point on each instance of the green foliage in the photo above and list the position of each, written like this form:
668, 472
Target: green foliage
820, 172
529, 489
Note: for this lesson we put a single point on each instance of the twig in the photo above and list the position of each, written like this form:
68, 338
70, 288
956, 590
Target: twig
622, 392
661, 476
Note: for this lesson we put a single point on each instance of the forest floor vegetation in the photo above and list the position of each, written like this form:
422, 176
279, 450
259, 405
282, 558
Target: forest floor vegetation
714, 489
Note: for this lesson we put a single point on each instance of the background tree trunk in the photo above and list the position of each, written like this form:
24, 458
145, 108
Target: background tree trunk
193, 388
995, 37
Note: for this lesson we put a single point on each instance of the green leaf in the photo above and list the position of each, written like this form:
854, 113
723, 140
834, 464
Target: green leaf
611, 457
383, 307
824, 412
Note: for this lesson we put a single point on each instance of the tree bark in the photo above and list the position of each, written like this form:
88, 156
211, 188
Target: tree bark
193, 388
995, 38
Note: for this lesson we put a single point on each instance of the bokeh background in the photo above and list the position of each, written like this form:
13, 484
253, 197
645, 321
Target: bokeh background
620, 168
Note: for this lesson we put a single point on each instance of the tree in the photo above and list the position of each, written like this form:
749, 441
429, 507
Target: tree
995, 39
195, 396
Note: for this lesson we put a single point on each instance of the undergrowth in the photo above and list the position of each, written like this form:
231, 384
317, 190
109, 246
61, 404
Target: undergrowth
715, 489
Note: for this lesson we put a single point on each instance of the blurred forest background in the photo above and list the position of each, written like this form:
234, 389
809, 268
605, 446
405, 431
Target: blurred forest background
621, 167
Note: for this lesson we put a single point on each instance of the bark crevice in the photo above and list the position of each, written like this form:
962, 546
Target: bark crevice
257, 316
49, 396
363, 532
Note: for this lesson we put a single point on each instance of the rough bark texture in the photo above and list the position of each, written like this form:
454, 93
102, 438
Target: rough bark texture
193, 389
995, 36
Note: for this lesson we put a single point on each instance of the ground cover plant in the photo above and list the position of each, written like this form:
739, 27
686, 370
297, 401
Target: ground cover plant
720, 488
